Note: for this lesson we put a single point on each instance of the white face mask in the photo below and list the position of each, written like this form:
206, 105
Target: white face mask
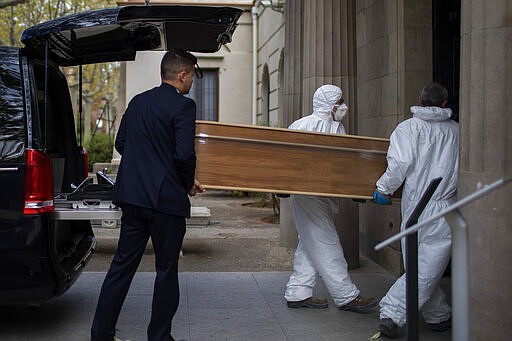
341, 111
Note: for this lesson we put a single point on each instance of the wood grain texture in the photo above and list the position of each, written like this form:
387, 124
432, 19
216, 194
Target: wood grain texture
276, 160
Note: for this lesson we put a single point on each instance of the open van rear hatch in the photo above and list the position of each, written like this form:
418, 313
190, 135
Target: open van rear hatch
116, 34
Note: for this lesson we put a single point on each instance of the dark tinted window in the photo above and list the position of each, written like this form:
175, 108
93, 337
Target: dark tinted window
54, 128
205, 93
55, 119
12, 125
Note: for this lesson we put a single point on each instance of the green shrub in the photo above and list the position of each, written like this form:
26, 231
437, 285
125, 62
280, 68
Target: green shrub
99, 149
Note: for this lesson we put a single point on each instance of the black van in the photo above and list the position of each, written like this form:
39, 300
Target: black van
44, 242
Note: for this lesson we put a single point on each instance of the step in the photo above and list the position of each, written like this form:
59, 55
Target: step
199, 217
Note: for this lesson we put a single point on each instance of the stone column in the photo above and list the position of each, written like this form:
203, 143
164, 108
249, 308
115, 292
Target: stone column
329, 51
287, 233
292, 90
485, 156
320, 49
291, 95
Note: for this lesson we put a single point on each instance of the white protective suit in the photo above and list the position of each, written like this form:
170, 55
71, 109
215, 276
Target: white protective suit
423, 148
319, 249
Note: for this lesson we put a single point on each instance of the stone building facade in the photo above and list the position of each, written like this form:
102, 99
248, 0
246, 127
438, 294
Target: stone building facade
382, 52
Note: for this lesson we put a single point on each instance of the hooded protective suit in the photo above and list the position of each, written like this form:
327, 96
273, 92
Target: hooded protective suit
423, 148
319, 249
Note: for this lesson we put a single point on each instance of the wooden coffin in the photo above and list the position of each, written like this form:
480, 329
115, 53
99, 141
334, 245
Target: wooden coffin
276, 160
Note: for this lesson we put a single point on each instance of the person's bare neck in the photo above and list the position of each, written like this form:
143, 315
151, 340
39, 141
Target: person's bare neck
174, 82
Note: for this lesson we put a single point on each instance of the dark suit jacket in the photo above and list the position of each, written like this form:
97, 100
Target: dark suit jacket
156, 141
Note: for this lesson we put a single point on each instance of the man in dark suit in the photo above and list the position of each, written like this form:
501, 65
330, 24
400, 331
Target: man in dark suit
155, 178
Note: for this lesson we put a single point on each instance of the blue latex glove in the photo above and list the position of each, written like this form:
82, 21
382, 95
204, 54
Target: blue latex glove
381, 198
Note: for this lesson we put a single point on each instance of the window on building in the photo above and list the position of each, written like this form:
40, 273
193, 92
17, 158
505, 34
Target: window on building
205, 93
264, 119
282, 120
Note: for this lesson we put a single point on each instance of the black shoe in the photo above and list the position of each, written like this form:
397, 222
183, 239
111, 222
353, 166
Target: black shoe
388, 328
441, 326
360, 304
311, 302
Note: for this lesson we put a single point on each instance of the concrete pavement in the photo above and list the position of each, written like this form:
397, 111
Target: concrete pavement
232, 276
214, 306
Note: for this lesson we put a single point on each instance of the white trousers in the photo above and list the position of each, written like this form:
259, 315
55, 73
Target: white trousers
433, 257
319, 251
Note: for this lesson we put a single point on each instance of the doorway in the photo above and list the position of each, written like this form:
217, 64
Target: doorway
446, 48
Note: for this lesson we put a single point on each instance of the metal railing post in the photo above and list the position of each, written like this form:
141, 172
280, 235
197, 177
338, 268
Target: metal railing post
460, 291
411, 287
411, 264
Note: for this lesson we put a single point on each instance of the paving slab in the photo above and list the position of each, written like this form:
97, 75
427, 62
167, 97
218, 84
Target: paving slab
214, 306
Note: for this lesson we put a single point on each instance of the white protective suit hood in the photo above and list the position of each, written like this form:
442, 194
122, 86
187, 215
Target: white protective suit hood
431, 113
324, 99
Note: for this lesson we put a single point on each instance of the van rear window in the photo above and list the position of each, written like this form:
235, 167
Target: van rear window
12, 124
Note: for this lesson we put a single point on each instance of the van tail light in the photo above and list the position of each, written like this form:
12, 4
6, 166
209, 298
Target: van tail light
86, 164
38, 183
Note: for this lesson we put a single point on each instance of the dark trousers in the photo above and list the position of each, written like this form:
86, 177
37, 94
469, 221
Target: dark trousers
166, 232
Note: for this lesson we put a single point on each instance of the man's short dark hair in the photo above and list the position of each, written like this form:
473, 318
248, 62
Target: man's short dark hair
174, 61
433, 95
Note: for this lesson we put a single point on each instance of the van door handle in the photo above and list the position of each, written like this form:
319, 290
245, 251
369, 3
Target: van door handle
9, 169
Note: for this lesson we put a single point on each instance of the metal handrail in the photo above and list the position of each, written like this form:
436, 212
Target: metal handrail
460, 309
472, 197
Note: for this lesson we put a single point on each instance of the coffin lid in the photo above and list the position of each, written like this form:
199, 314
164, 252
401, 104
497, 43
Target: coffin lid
116, 34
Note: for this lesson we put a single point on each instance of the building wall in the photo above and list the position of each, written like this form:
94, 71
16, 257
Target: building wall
394, 60
485, 156
235, 75
232, 61
393, 63
394, 49
292, 88
270, 48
